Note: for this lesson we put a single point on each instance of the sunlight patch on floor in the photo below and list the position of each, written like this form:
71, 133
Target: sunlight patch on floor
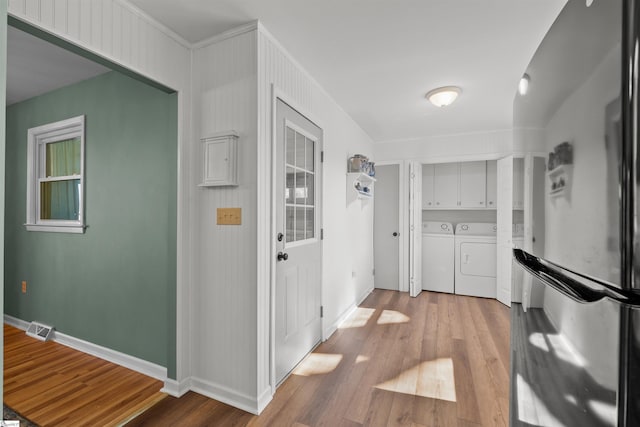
531, 410
433, 379
361, 359
537, 339
391, 316
318, 364
358, 319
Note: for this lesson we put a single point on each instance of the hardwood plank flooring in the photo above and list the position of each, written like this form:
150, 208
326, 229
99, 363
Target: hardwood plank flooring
54, 385
435, 360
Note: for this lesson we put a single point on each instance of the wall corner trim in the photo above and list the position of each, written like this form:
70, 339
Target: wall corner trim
236, 31
264, 399
142, 366
226, 395
176, 388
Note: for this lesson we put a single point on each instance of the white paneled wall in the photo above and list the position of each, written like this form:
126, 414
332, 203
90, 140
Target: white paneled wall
119, 32
224, 295
342, 254
460, 147
115, 30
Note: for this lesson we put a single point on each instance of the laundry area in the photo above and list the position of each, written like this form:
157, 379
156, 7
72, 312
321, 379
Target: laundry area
459, 225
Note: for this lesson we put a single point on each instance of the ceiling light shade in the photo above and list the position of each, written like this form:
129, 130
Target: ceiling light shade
523, 86
443, 96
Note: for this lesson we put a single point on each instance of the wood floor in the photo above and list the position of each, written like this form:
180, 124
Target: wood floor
54, 385
436, 360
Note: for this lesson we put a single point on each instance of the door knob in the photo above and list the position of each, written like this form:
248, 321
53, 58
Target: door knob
396, 234
283, 256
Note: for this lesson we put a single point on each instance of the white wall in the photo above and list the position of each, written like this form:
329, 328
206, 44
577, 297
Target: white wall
233, 76
122, 34
223, 300
342, 138
580, 219
459, 147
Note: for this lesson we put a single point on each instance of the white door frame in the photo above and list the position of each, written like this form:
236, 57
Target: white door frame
277, 93
403, 222
415, 228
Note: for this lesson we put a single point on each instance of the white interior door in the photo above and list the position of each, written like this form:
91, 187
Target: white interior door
415, 229
504, 221
299, 250
386, 227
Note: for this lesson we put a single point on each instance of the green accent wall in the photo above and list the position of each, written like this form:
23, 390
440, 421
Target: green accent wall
114, 285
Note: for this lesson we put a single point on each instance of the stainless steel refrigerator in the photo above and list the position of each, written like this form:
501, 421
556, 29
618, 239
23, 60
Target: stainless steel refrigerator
575, 334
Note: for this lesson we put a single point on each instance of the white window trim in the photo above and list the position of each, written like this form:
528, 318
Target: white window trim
58, 131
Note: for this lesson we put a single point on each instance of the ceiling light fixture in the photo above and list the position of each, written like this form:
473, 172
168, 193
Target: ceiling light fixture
523, 86
443, 96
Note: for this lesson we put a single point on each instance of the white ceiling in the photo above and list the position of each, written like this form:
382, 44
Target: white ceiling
35, 67
378, 58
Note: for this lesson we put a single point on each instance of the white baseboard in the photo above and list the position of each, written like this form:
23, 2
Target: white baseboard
175, 388
144, 367
264, 399
345, 315
226, 395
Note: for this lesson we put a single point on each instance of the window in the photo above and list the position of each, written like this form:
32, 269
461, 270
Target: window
300, 185
55, 177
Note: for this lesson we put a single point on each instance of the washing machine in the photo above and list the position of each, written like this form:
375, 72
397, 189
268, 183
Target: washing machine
438, 256
475, 259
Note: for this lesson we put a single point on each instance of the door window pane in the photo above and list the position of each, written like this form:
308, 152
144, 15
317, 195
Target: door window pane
290, 222
309, 188
300, 225
310, 149
299, 186
309, 223
300, 147
290, 188
290, 146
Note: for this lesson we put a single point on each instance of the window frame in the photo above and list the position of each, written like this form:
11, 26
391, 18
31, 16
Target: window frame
37, 139
295, 243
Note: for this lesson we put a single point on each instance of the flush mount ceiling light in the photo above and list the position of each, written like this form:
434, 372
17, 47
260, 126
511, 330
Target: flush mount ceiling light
523, 86
443, 96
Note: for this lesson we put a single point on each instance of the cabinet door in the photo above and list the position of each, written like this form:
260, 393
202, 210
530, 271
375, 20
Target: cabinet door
473, 184
427, 186
518, 183
445, 185
492, 184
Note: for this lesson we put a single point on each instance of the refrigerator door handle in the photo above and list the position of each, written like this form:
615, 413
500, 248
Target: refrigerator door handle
579, 287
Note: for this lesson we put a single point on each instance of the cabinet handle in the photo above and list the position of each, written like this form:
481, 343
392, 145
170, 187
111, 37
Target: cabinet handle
482, 203
490, 203
437, 203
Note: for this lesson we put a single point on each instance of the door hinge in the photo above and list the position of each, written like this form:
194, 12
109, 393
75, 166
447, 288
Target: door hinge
322, 234
321, 311
322, 156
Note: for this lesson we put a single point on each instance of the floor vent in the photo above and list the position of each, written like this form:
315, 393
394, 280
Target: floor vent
40, 331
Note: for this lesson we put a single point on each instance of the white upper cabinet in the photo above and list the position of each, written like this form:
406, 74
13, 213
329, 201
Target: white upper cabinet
473, 184
445, 185
492, 184
427, 186
518, 183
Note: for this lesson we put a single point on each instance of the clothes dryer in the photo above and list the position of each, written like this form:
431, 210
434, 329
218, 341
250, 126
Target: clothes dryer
475, 259
438, 257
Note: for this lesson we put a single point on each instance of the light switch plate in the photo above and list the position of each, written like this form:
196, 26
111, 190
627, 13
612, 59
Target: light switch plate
229, 216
